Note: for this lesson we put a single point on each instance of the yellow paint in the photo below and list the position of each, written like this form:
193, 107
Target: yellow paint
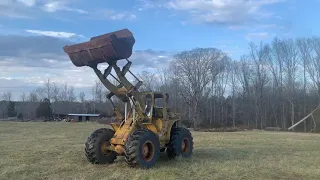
115, 126
158, 123
119, 135
116, 141
151, 127
119, 149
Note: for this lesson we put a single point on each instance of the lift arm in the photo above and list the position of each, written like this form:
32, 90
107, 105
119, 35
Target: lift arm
110, 48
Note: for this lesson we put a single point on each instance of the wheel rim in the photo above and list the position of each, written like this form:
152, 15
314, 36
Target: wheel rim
185, 145
104, 148
147, 151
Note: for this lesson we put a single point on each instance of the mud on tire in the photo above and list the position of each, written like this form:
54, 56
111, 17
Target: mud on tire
142, 149
181, 143
94, 147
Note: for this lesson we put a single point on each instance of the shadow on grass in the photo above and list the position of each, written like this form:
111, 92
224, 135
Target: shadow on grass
222, 154
199, 155
219, 154
208, 154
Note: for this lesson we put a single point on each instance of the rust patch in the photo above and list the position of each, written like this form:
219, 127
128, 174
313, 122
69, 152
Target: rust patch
105, 48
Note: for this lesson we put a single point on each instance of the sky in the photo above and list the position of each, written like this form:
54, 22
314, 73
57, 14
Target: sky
33, 32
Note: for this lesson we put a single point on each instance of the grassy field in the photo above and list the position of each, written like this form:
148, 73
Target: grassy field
55, 151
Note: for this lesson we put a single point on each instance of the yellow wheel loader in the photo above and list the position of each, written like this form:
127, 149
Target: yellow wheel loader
147, 126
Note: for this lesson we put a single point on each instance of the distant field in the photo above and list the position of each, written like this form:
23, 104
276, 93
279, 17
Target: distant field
55, 151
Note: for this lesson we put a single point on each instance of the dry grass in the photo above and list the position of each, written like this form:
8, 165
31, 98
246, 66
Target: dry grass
55, 151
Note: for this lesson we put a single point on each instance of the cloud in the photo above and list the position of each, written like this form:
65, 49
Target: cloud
254, 27
61, 6
28, 61
27, 2
151, 59
267, 25
121, 16
18, 2
259, 36
13, 14
30, 46
28, 8
237, 27
216, 11
150, 4
52, 33
16, 9
32, 60
16, 86
113, 15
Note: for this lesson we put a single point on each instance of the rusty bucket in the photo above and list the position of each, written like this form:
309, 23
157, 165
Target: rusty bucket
108, 47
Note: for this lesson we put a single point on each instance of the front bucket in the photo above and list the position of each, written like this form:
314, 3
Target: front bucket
104, 48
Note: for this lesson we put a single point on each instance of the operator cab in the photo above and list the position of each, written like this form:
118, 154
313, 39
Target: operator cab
155, 104
148, 105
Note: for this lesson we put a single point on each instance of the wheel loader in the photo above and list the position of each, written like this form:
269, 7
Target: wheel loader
147, 127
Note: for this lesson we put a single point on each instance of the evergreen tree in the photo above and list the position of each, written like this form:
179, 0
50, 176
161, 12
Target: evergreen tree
20, 116
44, 110
11, 109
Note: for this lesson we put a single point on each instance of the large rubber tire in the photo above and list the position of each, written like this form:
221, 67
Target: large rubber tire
93, 145
134, 149
180, 136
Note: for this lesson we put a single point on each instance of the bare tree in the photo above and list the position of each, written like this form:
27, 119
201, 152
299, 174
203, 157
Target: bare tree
313, 66
193, 70
22, 105
234, 66
244, 76
33, 96
23, 97
104, 95
290, 68
279, 55
94, 97
7, 96
259, 56
99, 91
82, 97
305, 48
149, 81
55, 92
275, 63
219, 83
47, 87
64, 93
71, 95
41, 93
163, 79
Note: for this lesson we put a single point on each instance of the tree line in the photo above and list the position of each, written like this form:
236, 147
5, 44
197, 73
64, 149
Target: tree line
53, 98
274, 85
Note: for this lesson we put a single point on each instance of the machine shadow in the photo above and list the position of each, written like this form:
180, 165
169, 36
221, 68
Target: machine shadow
199, 155
207, 154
